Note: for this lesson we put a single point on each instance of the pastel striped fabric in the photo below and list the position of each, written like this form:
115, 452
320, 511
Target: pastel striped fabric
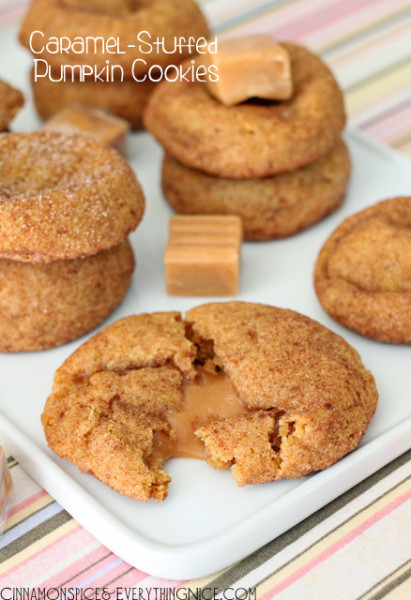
359, 546
334, 554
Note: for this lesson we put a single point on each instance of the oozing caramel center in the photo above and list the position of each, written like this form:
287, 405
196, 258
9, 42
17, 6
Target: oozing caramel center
210, 396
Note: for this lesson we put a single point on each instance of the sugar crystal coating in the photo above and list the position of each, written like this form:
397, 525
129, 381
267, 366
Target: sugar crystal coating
63, 197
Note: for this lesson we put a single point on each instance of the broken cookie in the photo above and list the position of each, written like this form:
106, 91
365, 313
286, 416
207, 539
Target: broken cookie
266, 391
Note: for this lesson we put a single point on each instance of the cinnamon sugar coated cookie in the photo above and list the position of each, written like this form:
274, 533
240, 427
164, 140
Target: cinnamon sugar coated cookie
363, 273
254, 139
63, 197
271, 207
11, 101
295, 397
46, 305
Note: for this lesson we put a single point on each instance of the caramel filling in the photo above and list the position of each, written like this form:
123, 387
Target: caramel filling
211, 396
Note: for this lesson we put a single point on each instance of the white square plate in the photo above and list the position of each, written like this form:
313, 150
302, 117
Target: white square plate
207, 522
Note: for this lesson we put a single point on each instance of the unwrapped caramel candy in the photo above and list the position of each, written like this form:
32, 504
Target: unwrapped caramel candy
203, 255
106, 128
254, 66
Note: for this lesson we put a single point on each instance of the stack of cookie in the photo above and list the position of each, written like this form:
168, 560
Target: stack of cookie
67, 205
119, 81
279, 164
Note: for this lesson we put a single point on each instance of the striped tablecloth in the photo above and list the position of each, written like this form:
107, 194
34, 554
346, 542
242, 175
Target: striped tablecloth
359, 546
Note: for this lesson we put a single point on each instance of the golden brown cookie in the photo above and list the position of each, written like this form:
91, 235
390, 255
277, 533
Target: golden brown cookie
11, 101
125, 99
363, 273
256, 138
63, 197
117, 401
47, 305
270, 207
168, 19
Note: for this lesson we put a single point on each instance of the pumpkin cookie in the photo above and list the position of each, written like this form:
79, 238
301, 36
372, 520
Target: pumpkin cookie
271, 207
125, 99
363, 273
47, 305
256, 138
11, 101
295, 397
63, 197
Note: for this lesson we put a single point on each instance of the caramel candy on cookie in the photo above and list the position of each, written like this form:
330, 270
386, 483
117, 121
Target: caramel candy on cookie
203, 255
104, 127
254, 66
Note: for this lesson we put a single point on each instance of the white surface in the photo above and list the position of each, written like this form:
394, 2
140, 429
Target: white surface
207, 522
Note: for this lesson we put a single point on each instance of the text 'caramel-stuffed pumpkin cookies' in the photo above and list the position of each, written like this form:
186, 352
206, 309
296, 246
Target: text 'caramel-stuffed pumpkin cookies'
257, 138
266, 391
363, 273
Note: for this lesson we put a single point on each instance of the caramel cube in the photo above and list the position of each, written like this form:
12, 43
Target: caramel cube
106, 128
254, 66
203, 255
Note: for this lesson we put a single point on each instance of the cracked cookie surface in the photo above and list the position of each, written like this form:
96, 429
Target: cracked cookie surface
363, 273
308, 399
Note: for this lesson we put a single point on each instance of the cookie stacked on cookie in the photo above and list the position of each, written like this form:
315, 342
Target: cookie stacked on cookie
279, 164
67, 205
108, 30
